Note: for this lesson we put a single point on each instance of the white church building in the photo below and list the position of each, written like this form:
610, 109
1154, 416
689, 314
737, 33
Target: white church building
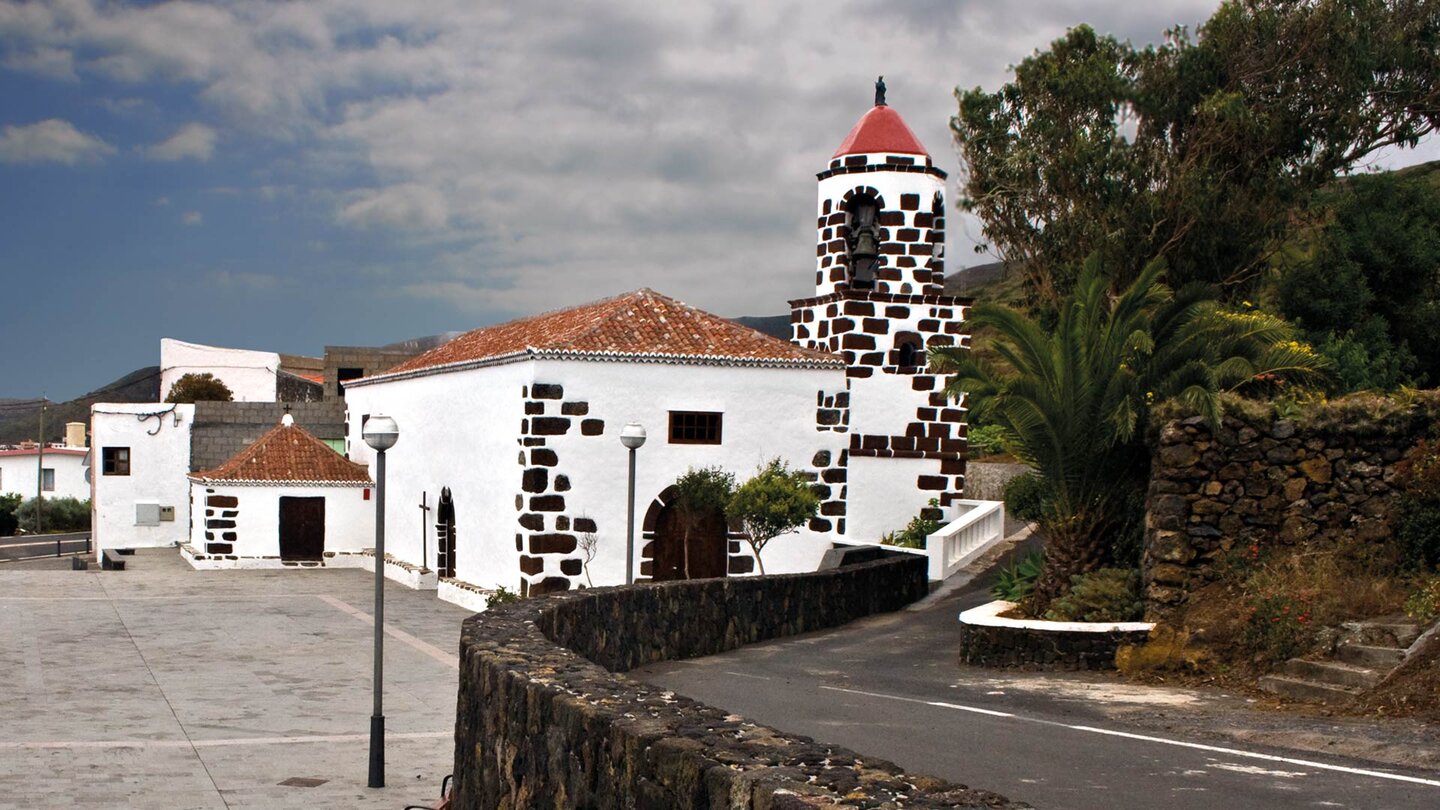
509, 458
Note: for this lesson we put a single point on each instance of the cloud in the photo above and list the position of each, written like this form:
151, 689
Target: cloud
232, 280
53, 140
192, 218
193, 141
411, 206
53, 63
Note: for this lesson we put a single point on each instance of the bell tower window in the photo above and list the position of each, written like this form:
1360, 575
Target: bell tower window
864, 241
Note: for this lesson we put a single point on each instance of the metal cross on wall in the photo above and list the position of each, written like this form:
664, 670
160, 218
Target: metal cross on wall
424, 521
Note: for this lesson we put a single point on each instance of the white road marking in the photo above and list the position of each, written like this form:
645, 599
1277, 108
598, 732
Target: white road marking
1257, 770
449, 659
748, 675
1146, 738
315, 738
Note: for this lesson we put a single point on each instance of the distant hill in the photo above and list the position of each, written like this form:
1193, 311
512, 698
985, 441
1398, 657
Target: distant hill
21, 423
776, 326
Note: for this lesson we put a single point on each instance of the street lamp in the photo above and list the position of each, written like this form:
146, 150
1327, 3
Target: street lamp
380, 432
632, 436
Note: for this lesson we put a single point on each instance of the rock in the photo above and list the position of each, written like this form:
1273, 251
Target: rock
1294, 488
1169, 574
1282, 429
1171, 547
1317, 470
1212, 488
1177, 455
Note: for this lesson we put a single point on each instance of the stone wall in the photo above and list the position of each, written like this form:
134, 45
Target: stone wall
1026, 648
543, 721
1261, 481
986, 480
222, 429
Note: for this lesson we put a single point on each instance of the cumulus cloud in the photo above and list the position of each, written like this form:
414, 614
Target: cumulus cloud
409, 206
192, 218
53, 140
53, 63
194, 141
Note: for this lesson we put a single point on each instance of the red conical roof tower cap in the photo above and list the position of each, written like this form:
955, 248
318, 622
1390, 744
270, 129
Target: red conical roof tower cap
881, 130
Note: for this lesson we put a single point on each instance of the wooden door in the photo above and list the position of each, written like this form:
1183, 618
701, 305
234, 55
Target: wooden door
302, 528
708, 552
445, 535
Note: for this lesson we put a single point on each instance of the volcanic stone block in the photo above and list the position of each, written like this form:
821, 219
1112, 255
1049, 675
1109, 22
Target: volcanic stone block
547, 503
821, 459
555, 543
547, 391
584, 525
533, 522
222, 501
575, 408
571, 567
592, 427
550, 585
562, 483
562, 524
742, 565
531, 565
535, 479
550, 426
533, 408
544, 458
219, 548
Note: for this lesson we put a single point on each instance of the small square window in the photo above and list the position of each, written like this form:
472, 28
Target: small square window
115, 461
695, 427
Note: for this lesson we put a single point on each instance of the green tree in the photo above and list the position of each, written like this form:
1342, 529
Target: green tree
699, 494
1368, 292
1197, 150
776, 501
202, 387
1073, 401
61, 515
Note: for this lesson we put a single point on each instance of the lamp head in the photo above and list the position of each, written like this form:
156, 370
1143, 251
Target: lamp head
380, 432
632, 436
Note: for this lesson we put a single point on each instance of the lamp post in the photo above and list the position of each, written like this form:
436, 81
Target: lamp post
380, 432
632, 436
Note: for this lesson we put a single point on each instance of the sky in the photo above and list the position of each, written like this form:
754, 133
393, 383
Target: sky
287, 175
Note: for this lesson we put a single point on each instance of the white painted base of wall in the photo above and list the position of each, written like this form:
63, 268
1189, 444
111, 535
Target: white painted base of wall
411, 576
988, 615
232, 562
467, 597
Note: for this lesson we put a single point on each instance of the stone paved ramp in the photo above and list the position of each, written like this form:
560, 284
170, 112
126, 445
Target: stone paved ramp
164, 687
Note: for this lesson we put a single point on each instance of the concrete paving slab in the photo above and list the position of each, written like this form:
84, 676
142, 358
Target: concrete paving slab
160, 686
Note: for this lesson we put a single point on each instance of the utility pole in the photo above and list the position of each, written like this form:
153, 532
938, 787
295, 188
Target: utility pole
40, 474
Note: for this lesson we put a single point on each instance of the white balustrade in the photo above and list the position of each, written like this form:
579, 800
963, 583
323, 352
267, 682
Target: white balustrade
977, 527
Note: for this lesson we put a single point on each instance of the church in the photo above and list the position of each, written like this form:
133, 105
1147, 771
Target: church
509, 470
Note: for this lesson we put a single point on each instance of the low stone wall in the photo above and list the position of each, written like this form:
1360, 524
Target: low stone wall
1260, 481
999, 645
543, 721
986, 480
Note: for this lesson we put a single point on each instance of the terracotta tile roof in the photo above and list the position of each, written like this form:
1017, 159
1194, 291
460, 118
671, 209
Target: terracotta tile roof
288, 453
643, 323
880, 130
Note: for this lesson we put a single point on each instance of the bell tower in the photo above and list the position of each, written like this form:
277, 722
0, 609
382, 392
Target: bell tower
880, 303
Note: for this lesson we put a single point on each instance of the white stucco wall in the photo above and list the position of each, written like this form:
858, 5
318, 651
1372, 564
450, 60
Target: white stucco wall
18, 473
159, 465
890, 185
349, 517
883, 495
250, 375
463, 430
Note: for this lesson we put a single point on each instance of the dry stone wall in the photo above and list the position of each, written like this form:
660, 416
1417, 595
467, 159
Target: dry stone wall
543, 721
1263, 481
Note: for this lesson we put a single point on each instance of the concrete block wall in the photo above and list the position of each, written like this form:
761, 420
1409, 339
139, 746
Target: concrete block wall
222, 429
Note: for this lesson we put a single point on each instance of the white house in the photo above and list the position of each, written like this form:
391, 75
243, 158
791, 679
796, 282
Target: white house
250, 375
140, 454
287, 499
510, 433
60, 475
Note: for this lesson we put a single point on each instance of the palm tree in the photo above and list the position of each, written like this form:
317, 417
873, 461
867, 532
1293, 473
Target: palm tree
1072, 402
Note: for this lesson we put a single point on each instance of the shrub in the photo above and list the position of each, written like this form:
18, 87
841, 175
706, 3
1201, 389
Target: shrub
1016, 581
1103, 595
203, 387
986, 440
1279, 626
8, 522
502, 596
1025, 496
776, 501
920, 527
1424, 604
1418, 529
60, 515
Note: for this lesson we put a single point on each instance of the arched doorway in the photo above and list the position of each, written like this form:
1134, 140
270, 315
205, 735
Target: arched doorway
445, 535
701, 552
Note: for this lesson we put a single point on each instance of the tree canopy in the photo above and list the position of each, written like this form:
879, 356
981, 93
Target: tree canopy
1197, 150
1073, 401
776, 501
202, 387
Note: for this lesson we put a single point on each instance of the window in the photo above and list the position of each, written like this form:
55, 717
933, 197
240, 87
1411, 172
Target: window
864, 241
344, 375
115, 461
694, 427
47, 479
909, 355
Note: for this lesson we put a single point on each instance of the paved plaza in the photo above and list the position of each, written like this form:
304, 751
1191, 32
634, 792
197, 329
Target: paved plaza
164, 687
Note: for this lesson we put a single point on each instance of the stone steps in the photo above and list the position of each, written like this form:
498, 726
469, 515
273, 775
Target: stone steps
1370, 651
1308, 691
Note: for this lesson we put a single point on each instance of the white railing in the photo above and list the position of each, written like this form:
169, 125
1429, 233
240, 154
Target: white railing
977, 526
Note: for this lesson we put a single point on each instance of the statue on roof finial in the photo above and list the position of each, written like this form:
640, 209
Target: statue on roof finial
880, 92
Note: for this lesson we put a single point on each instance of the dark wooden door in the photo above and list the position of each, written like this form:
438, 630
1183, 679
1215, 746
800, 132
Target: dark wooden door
302, 528
445, 535
708, 552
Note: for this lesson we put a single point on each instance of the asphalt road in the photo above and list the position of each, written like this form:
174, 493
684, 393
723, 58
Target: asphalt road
31, 546
890, 686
